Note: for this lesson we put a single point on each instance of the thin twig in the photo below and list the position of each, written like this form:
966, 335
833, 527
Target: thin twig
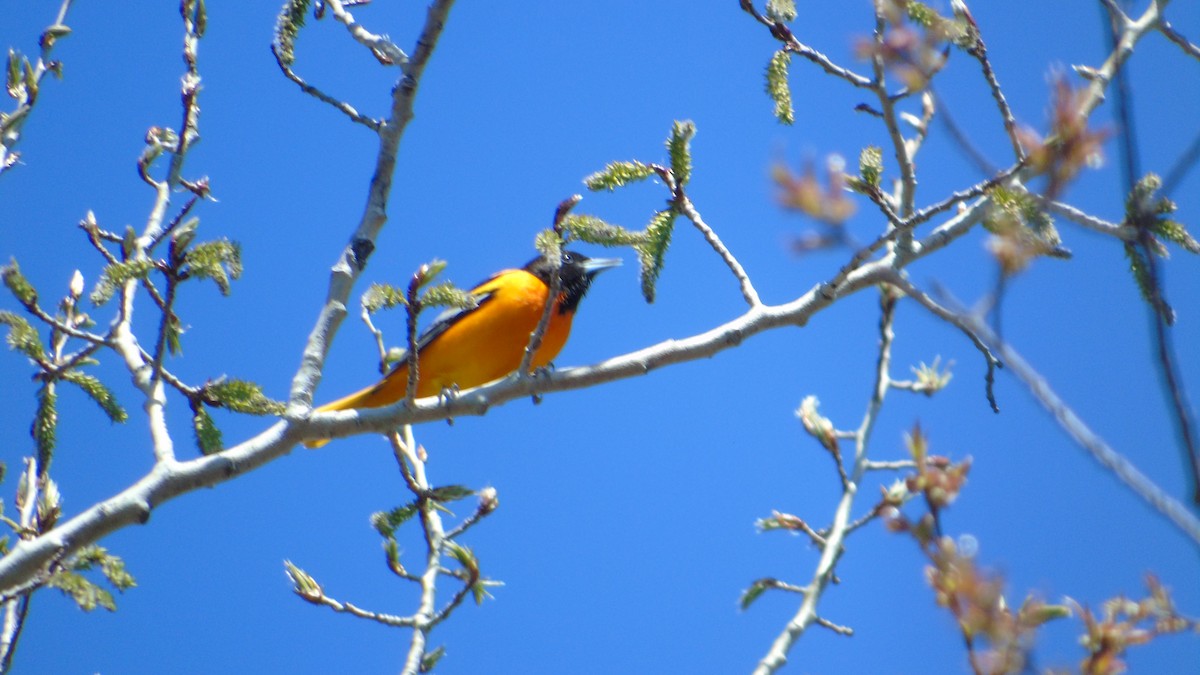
1185, 163
956, 198
1176, 394
837, 628
1130, 33
16, 608
920, 124
1128, 147
431, 526
1190, 48
1102, 452
1121, 231
467, 523
339, 105
959, 321
354, 256
346, 607
831, 552
784, 34
979, 52
412, 356
894, 465
11, 123
963, 142
382, 48
555, 289
908, 177
1130, 156
688, 209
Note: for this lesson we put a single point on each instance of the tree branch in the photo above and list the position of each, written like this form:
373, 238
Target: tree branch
1125, 472
776, 657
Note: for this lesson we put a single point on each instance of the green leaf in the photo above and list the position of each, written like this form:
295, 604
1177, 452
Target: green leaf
45, 422
1140, 268
386, 522
116, 275
679, 147
174, 333
1175, 232
12, 80
18, 284
201, 18
287, 28
755, 591
31, 81
651, 251
781, 10
49, 505
208, 436
870, 165
1034, 613
182, 237
595, 231
447, 294
111, 566
129, 240
219, 260
22, 336
1139, 200
464, 556
618, 174
99, 393
549, 244
777, 86
382, 296
303, 584
242, 396
1019, 215
450, 493
922, 15
429, 271
86, 594
430, 659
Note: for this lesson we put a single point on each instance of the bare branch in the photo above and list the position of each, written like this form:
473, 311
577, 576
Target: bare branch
839, 629
339, 105
688, 209
831, 552
353, 258
27, 96
380, 46
354, 610
1190, 48
1104, 454
1130, 33
784, 34
1121, 231
959, 321
908, 177
979, 51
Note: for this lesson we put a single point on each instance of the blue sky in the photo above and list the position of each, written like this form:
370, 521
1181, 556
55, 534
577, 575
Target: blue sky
626, 527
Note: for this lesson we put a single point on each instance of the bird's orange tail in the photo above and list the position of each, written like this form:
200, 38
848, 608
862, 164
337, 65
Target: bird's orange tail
385, 392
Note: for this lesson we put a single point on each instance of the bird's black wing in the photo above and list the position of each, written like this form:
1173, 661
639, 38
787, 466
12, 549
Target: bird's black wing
442, 322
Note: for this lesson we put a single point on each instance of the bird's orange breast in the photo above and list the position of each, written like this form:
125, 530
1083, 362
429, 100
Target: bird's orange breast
488, 343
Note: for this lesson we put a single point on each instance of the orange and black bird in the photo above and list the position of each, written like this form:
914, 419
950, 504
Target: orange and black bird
465, 348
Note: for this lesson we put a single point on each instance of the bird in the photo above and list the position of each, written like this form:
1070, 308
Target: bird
465, 348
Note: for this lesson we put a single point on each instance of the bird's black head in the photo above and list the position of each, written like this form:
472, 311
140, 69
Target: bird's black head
576, 272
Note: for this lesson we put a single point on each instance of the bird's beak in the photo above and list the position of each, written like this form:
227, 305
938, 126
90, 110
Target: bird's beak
594, 266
